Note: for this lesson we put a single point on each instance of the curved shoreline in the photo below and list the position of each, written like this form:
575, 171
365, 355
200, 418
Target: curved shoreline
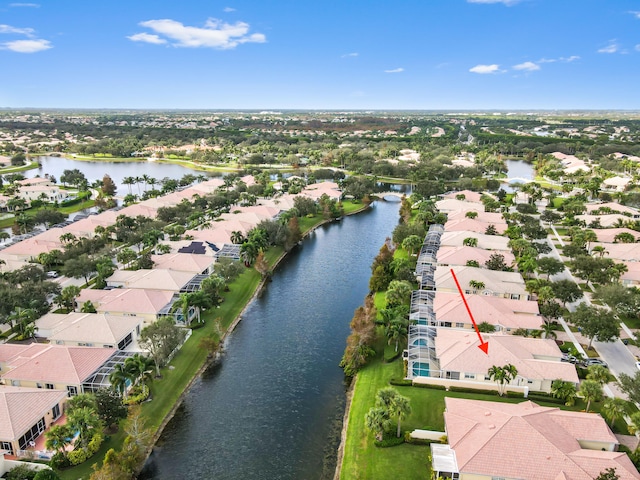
209, 361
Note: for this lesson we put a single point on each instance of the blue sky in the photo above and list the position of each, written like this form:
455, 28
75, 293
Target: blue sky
333, 54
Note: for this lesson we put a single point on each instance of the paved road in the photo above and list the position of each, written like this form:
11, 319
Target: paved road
616, 354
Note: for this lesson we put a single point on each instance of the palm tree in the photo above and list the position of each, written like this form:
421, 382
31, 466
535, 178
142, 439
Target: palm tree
476, 285
58, 437
599, 250
249, 252
502, 376
598, 373
565, 391
548, 330
120, 378
237, 237
401, 408
128, 181
590, 390
139, 368
377, 420
396, 331
614, 408
84, 421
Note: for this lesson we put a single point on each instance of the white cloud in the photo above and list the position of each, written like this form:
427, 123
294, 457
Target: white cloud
27, 46
28, 5
483, 69
349, 55
215, 34
527, 66
508, 3
147, 37
638, 47
228, 9
635, 14
570, 59
395, 70
613, 47
20, 31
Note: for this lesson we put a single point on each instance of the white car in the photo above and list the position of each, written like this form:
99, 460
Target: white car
638, 365
52, 274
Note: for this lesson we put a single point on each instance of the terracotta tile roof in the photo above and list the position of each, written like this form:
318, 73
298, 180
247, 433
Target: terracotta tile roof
450, 255
535, 359
21, 408
156, 278
616, 207
473, 225
621, 251
487, 217
60, 364
488, 242
469, 196
86, 327
494, 310
528, 441
141, 301
607, 235
494, 281
183, 262
453, 205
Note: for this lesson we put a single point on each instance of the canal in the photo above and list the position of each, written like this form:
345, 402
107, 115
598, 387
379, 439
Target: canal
272, 409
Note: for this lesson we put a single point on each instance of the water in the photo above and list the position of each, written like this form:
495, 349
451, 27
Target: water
273, 408
518, 169
95, 171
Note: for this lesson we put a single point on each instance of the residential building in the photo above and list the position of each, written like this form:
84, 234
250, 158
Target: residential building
488, 242
449, 256
487, 282
491, 440
25, 413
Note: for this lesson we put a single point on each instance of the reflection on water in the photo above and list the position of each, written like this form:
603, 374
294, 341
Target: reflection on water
273, 408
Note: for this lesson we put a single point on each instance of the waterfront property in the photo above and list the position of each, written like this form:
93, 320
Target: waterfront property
488, 242
487, 282
155, 279
489, 440
58, 367
25, 413
460, 255
91, 330
185, 262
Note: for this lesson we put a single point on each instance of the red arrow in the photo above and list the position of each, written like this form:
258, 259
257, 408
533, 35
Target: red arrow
484, 346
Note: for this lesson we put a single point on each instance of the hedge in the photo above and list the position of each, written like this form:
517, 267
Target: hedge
389, 442
401, 382
427, 385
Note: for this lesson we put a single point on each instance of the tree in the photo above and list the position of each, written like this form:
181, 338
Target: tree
549, 330
109, 406
81, 266
476, 285
496, 262
599, 373
502, 376
630, 385
565, 391
49, 216
160, 339
84, 421
614, 408
261, 265
108, 187
624, 237
67, 297
491, 230
400, 408
237, 237
396, 331
566, 291
58, 437
591, 391
608, 474
398, 293
549, 266
126, 257
377, 421
595, 323
470, 242
120, 379
412, 244
486, 327
249, 252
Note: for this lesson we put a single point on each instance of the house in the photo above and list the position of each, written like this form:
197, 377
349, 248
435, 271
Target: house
453, 205
617, 183
473, 225
147, 304
48, 193
488, 242
538, 361
55, 367
447, 255
184, 262
612, 208
489, 282
629, 252
490, 440
6, 465
486, 217
504, 314
25, 413
604, 221
631, 278
465, 195
155, 279
90, 329
608, 235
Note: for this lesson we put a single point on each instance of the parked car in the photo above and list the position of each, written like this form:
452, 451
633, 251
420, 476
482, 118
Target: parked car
595, 361
638, 365
52, 274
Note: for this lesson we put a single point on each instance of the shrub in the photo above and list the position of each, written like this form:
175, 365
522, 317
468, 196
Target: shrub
389, 442
535, 397
46, 474
401, 382
21, 472
473, 390
390, 355
78, 456
138, 394
433, 387
94, 444
59, 461
417, 441
196, 326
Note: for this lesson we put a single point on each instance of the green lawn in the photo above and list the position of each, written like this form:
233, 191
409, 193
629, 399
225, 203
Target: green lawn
363, 460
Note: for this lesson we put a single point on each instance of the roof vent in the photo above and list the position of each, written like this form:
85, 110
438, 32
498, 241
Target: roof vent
492, 427
486, 414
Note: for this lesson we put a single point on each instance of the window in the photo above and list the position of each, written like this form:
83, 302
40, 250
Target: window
124, 343
8, 446
48, 386
469, 376
459, 325
33, 433
85, 344
15, 383
55, 412
515, 297
39, 385
72, 390
59, 342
